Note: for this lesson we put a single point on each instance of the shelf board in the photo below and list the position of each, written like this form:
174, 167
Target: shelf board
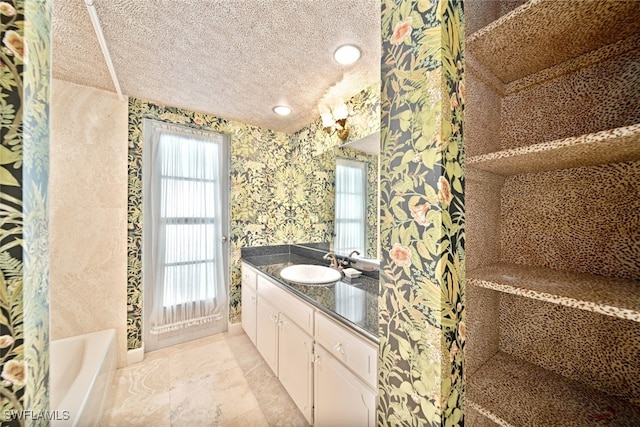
544, 33
609, 146
512, 392
605, 295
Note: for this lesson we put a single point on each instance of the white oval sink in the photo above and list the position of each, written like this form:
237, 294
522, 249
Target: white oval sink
310, 274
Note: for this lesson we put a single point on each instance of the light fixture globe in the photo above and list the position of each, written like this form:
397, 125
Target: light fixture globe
347, 54
334, 119
282, 110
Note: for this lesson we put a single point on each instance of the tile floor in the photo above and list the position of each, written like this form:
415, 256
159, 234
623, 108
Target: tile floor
216, 381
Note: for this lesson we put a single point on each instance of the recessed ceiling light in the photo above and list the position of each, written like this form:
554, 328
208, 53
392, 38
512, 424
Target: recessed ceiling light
347, 54
282, 110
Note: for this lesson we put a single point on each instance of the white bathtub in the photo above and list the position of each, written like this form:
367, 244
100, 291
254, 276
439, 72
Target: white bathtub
81, 370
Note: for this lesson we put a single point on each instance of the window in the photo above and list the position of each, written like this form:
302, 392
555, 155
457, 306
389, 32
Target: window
184, 193
351, 206
187, 204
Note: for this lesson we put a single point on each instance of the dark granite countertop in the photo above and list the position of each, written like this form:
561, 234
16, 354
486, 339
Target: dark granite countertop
353, 302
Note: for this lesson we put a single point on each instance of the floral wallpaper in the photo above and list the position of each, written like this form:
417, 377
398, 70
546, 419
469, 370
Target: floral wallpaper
314, 153
281, 188
259, 160
364, 113
422, 329
24, 127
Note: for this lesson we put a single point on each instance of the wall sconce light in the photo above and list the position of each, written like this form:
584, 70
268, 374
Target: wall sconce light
335, 121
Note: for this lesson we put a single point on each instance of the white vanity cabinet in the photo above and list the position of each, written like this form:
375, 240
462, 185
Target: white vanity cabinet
267, 333
329, 371
345, 372
249, 301
284, 339
341, 399
295, 369
355, 352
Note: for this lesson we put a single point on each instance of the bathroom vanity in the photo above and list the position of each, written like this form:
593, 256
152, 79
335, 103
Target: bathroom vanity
320, 340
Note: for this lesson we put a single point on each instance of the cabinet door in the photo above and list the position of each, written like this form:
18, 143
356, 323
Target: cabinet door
249, 276
267, 333
355, 352
295, 365
341, 399
249, 306
296, 310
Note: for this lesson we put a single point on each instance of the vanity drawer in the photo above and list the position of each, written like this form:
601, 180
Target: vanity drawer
355, 352
292, 306
249, 276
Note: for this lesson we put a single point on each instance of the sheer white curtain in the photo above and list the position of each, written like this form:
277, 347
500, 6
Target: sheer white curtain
351, 206
183, 227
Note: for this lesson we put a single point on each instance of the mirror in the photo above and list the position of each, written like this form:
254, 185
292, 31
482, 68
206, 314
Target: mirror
365, 153
369, 144
350, 224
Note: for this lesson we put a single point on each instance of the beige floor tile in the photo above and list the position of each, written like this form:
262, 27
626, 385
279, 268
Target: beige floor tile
232, 377
253, 418
276, 404
194, 404
244, 351
197, 343
139, 410
215, 381
147, 377
201, 403
198, 362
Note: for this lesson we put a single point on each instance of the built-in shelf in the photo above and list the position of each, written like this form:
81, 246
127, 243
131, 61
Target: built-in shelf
609, 146
551, 109
605, 295
543, 33
512, 392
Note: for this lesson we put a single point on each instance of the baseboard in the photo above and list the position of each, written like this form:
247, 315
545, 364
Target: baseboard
136, 355
235, 329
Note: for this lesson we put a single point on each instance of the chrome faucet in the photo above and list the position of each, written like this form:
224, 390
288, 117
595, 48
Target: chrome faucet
332, 257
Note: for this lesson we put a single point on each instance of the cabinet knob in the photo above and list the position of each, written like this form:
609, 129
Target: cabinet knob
338, 348
316, 359
273, 318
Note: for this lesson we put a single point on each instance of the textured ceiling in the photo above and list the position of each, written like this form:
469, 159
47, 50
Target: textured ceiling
235, 59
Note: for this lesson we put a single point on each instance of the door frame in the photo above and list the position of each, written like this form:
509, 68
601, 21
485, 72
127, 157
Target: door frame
153, 342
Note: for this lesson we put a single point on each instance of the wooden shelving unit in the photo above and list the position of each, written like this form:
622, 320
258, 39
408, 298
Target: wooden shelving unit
550, 66
605, 295
559, 34
609, 146
512, 392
